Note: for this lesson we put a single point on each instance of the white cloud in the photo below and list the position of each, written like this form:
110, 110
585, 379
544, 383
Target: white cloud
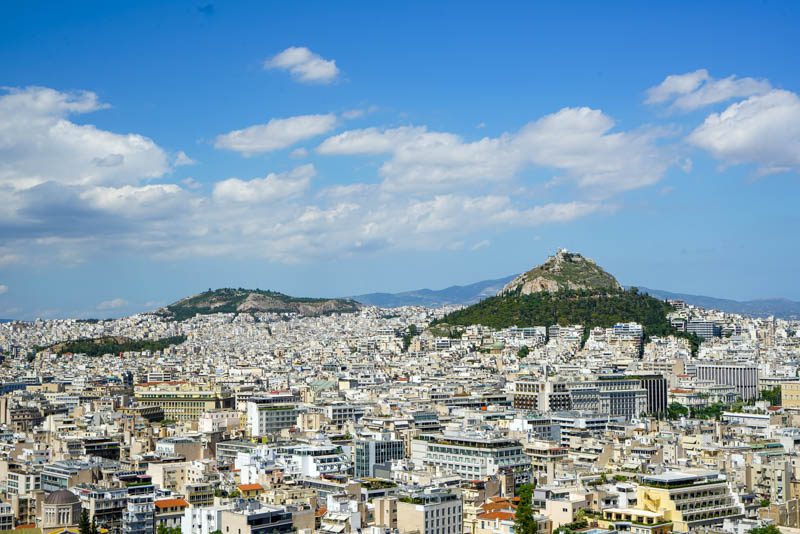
676, 85
156, 199
271, 188
435, 189
181, 159
276, 134
763, 129
191, 183
112, 304
576, 141
39, 144
3, 289
698, 89
304, 65
481, 244
353, 114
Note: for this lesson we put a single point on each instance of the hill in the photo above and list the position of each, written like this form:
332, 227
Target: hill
240, 300
564, 271
453, 295
544, 296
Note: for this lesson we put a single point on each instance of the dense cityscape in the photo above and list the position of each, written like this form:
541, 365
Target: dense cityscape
406, 267
393, 420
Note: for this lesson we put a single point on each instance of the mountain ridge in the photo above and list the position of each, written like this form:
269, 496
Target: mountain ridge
452, 295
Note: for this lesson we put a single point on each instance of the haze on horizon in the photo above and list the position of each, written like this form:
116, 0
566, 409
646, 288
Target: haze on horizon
150, 151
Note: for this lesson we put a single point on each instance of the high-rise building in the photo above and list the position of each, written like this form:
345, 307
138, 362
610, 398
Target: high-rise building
265, 417
376, 451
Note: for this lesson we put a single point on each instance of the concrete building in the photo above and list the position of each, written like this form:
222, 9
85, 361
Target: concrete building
689, 500
744, 377
183, 401
472, 455
266, 417
369, 452
438, 512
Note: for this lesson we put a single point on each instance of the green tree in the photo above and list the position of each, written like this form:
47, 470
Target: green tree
93, 529
524, 521
676, 410
411, 332
769, 529
772, 395
523, 351
84, 525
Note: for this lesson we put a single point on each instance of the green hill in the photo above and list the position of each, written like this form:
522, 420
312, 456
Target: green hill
598, 302
240, 300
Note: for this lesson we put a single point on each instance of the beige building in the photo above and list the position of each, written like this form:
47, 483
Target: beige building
424, 513
689, 500
183, 401
790, 395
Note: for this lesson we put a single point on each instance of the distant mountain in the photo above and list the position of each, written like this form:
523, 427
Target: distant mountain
778, 307
453, 295
564, 271
240, 300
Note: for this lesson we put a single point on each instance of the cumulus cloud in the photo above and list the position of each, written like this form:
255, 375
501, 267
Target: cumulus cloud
434, 188
112, 304
39, 143
155, 199
576, 141
698, 89
763, 129
3, 289
276, 134
304, 65
271, 188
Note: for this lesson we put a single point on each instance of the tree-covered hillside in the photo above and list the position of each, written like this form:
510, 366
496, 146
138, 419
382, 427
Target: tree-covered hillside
587, 308
114, 345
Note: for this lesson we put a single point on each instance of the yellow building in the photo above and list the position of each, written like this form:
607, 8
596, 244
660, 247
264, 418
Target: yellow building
790, 395
635, 521
182, 401
689, 500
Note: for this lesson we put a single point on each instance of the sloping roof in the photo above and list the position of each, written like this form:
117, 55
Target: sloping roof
250, 487
171, 503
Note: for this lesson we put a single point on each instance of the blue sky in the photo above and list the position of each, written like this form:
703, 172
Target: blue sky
152, 150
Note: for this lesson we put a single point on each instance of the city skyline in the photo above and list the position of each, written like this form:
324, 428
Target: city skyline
149, 151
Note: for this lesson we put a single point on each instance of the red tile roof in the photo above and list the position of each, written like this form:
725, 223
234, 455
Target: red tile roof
250, 487
172, 503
